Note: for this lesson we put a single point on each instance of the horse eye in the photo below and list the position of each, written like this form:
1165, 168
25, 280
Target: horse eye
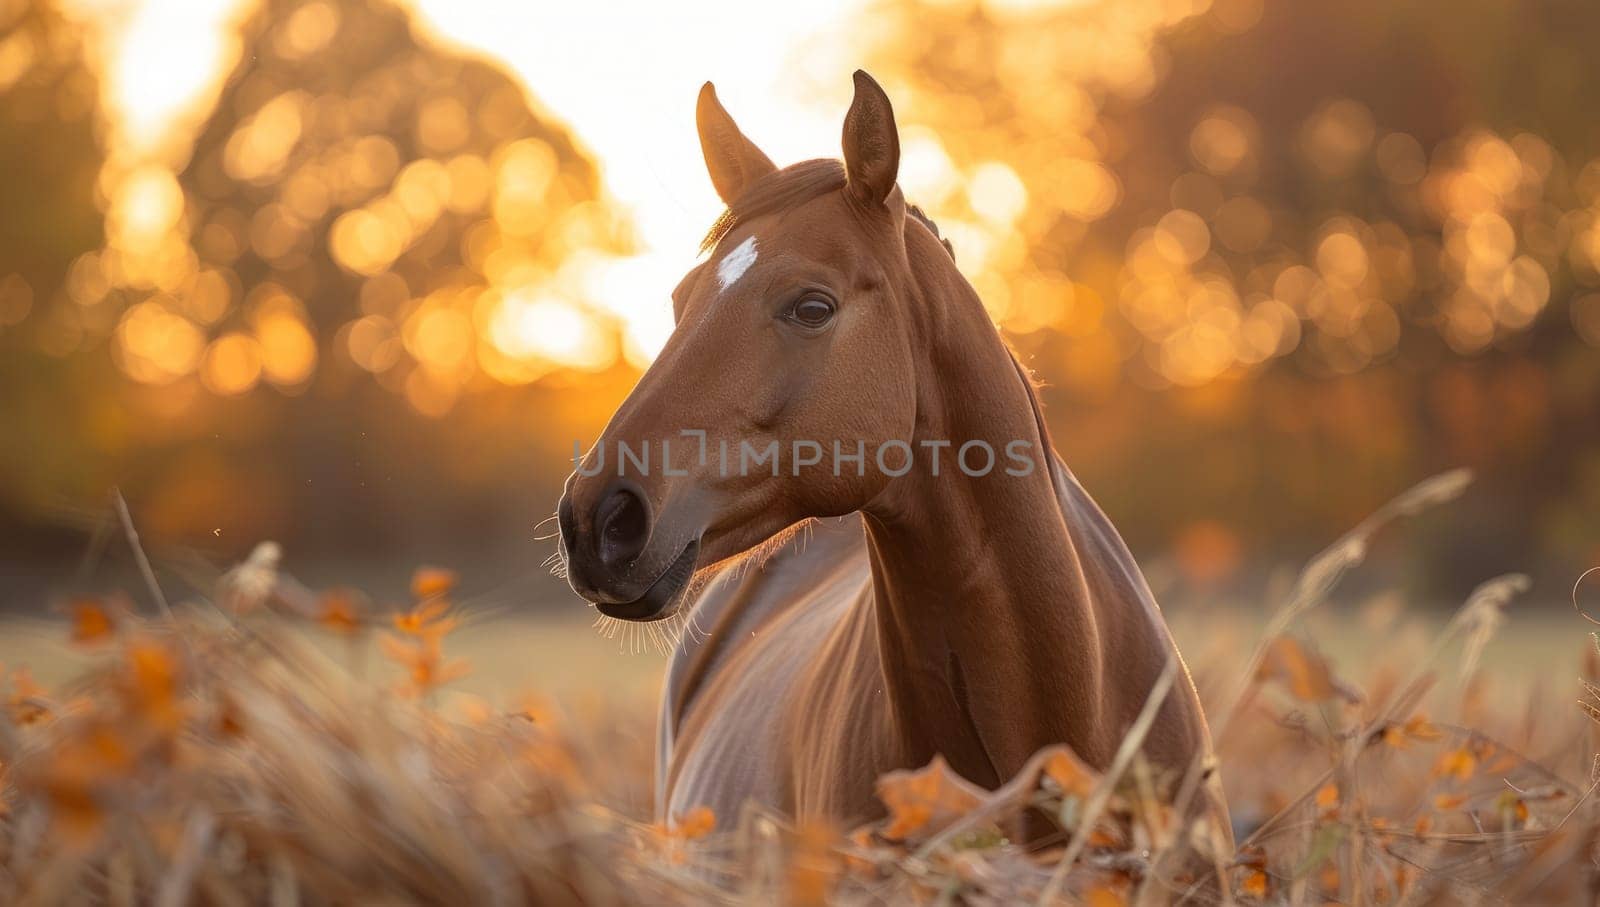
811, 311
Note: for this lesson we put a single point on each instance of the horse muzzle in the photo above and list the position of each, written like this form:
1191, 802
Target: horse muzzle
611, 560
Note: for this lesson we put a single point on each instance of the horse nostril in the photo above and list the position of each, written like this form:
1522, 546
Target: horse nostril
623, 523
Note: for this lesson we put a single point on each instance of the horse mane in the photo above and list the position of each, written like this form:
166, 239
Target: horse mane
790, 187
1031, 387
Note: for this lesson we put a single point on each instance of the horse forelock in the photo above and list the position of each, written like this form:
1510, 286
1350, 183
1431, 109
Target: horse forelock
777, 191
789, 188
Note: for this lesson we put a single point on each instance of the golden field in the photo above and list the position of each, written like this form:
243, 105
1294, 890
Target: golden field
275, 744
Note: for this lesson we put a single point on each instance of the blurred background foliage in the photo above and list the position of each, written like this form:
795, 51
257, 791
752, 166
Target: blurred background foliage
1274, 259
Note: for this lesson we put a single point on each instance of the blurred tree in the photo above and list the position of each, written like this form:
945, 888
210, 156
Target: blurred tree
369, 228
50, 155
48, 100
1276, 258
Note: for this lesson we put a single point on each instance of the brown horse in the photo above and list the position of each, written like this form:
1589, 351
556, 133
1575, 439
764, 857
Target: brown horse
928, 606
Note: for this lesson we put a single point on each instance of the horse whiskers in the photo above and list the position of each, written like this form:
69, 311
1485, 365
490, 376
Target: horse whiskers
767, 550
541, 524
612, 628
679, 627
691, 628
663, 635
557, 562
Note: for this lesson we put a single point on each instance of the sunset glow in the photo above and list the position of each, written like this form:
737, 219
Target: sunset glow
568, 281
631, 105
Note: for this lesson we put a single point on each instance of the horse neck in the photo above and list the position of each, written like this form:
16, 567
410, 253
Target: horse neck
990, 641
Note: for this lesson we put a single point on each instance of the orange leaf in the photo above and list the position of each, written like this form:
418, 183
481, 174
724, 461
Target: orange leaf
1512, 808
925, 799
1254, 884
1458, 764
337, 611
1505, 764
1070, 773
1379, 827
1328, 796
91, 621
78, 817
814, 864
424, 662
696, 823
432, 582
1329, 877
1420, 728
1104, 896
426, 619
1448, 802
1417, 727
1303, 672
1104, 837
152, 684
75, 778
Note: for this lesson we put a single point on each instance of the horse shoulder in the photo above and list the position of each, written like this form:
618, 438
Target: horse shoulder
1132, 624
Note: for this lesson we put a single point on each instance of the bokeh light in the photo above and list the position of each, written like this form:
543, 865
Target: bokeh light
455, 214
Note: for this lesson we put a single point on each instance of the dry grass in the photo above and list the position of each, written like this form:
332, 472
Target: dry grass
271, 745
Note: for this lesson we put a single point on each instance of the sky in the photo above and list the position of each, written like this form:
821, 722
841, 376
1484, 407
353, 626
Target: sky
625, 75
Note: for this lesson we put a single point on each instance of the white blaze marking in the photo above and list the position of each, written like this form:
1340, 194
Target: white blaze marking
735, 263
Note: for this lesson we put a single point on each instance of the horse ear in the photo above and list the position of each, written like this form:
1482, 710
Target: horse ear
871, 143
733, 160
